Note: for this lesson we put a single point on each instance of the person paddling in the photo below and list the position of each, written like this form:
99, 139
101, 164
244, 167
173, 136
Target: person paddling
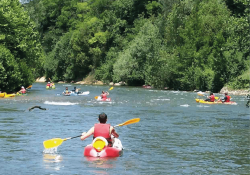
104, 95
66, 91
101, 130
211, 98
226, 98
23, 90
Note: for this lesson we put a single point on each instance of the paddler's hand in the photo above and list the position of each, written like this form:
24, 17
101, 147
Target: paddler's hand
83, 133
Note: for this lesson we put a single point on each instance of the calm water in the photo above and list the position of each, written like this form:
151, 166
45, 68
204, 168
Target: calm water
176, 135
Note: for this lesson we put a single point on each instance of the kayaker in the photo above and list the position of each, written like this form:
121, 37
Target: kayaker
74, 90
104, 95
101, 130
48, 84
23, 90
66, 91
226, 98
211, 98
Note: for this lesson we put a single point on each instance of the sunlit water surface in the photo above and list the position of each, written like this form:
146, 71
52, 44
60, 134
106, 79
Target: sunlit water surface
176, 135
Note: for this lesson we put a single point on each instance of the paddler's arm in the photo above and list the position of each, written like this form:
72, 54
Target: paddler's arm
113, 132
86, 135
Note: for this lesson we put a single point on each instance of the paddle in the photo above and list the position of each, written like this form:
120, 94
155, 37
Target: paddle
96, 97
52, 143
216, 98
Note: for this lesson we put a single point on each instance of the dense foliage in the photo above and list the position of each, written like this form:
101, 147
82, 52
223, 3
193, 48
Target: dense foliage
20, 49
182, 45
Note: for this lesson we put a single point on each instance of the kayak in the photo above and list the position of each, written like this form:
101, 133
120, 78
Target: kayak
99, 148
5, 95
52, 87
103, 99
18, 93
215, 102
80, 93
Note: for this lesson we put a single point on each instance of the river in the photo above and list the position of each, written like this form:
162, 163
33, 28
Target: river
175, 135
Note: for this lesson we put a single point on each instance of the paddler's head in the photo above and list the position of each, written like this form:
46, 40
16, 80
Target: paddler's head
66, 88
226, 93
103, 118
211, 93
103, 92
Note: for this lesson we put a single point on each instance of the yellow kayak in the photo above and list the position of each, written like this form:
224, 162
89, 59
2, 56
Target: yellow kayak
5, 95
215, 102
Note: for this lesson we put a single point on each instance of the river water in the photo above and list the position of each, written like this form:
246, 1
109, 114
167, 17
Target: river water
176, 135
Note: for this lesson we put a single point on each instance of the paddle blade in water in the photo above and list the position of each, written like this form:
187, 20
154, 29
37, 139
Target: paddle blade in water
111, 88
53, 143
96, 97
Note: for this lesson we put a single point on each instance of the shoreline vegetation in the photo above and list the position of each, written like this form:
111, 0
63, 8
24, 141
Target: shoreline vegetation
171, 45
90, 81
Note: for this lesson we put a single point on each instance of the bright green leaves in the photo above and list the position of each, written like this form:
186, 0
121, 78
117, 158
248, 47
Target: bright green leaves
20, 47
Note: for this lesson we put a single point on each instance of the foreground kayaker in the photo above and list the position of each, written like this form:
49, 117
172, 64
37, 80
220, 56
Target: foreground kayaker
101, 130
211, 98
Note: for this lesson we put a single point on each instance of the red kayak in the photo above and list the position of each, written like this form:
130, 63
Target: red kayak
99, 148
103, 99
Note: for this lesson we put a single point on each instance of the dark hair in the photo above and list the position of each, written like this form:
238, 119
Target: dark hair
226, 93
103, 118
211, 93
74, 87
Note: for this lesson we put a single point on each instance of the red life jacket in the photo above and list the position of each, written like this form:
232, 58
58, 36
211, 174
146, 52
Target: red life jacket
212, 98
104, 96
48, 85
103, 130
23, 91
228, 98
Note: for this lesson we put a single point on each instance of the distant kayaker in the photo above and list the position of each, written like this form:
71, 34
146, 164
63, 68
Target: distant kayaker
211, 98
66, 91
226, 98
101, 130
23, 90
48, 84
104, 95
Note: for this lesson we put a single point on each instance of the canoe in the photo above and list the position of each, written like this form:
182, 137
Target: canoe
99, 148
216, 102
102, 99
5, 95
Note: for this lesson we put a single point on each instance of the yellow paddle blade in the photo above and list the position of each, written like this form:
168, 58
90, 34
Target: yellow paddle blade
53, 143
111, 88
96, 97
131, 121
200, 94
216, 98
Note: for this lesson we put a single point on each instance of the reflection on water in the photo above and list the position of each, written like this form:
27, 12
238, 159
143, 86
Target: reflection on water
50, 160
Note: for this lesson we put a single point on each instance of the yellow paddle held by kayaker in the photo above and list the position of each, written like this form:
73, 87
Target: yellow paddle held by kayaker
55, 142
96, 97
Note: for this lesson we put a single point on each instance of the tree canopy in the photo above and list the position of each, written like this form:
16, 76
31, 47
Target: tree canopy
183, 45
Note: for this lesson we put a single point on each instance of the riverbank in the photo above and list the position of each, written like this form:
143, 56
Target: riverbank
235, 92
